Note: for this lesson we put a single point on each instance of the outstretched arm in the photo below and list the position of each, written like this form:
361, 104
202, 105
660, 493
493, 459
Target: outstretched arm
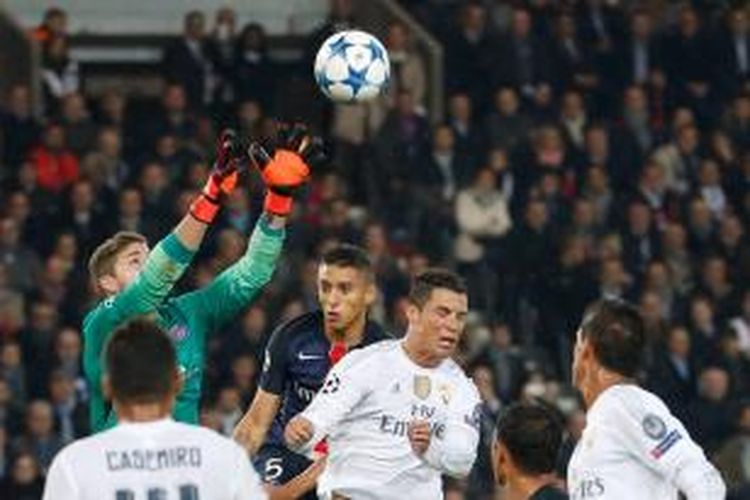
164, 266
283, 174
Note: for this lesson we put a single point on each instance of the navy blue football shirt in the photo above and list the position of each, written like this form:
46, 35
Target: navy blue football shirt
296, 364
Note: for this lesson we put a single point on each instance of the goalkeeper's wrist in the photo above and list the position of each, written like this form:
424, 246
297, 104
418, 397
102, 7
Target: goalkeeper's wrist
204, 208
212, 188
277, 204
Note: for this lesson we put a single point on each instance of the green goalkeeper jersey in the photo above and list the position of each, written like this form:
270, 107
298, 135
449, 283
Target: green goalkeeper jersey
188, 318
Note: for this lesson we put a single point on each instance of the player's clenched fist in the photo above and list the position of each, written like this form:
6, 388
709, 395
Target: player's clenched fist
298, 432
419, 436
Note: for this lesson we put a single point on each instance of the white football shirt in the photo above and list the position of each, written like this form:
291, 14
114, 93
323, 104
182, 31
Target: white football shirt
160, 460
365, 406
633, 447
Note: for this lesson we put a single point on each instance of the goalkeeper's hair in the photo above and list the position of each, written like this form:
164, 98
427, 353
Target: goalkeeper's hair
424, 283
346, 255
616, 332
532, 434
102, 261
141, 363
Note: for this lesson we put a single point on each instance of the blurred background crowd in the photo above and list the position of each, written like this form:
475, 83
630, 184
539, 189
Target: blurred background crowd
590, 149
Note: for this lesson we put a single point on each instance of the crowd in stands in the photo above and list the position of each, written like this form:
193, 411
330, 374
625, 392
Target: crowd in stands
590, 149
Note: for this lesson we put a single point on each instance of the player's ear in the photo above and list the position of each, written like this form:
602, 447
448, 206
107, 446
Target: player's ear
371, 293
106, 387
412, 313
178, 381
499, 462
107, 283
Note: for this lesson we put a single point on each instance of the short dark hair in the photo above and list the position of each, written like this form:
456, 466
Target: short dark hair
346, 255
424, 283
615, 330
141, 363
532, 433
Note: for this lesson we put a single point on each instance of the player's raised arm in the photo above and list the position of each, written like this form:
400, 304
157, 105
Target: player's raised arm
284, 170
136, 286
344, 388
134, 281
451, 449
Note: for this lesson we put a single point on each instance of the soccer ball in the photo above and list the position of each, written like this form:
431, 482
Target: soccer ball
352, 66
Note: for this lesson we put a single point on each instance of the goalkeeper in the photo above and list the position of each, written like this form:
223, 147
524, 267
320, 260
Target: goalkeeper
133, 281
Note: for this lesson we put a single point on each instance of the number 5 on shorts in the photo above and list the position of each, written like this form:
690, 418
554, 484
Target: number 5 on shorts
273, 469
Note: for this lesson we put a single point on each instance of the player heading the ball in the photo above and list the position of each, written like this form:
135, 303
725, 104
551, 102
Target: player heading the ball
398, 413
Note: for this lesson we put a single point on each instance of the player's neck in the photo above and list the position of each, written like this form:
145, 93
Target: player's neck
418, 354
352, 335
604, 380
522, 487
139, 413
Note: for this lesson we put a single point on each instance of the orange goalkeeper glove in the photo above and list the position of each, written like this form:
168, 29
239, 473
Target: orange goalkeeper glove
222, 180
287, 167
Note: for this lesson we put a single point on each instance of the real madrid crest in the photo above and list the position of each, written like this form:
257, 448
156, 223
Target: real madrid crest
445, 392
422, 386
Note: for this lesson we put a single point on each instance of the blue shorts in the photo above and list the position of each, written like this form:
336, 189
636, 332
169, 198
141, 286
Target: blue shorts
279, 465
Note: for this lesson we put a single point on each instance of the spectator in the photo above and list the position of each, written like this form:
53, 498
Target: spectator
639, 238
244, 371
105, 166
19, 129
673, 373
574, 63
506, 125
525, 60
461, 118
741, 324
687, 56
71, 415
172, 118
679, 159
25, 480
407, 67
85, 216
80, 129
53, 25
12, 369
253, 68
40, 438
640, 55
56, 166
67, 359
469, 60
229, 408
710, 411
483, 221
191, 61
733, 54
480, 481
22, 263
60, 73
11, 306
506, 363
225, 50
